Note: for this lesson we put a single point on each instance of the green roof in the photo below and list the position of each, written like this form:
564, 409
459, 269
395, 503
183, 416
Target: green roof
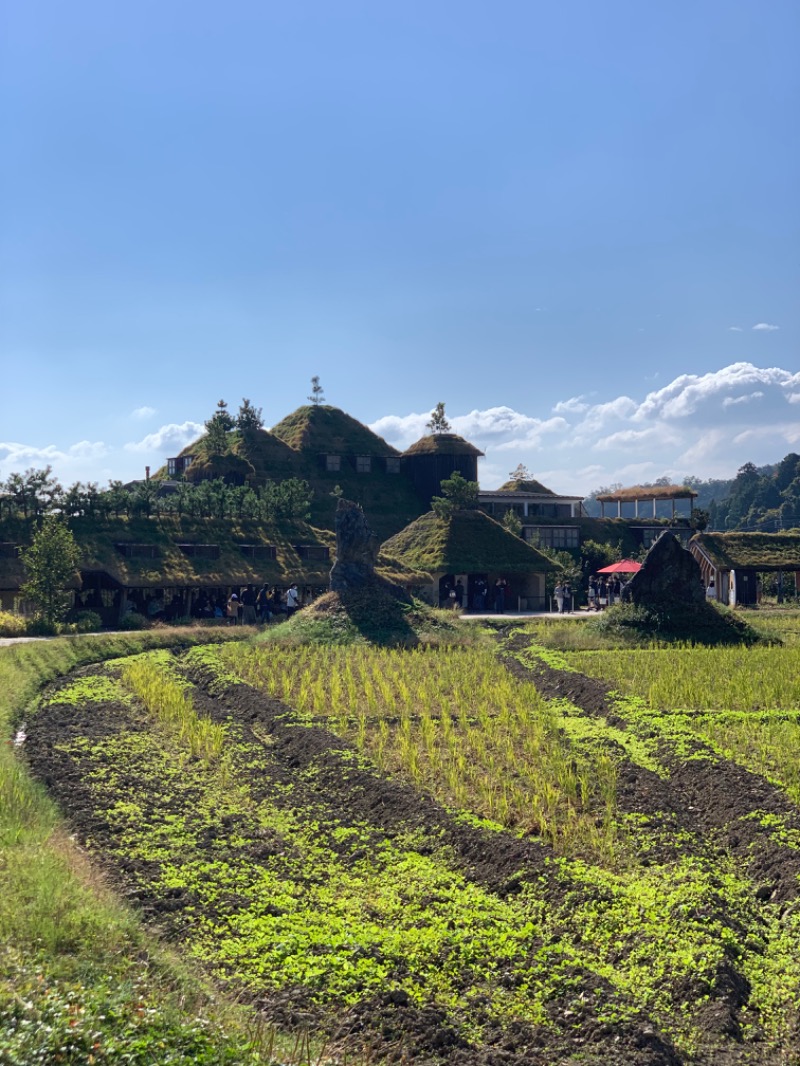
327, 430
466, 542
529, 485
173, 568
646, 493
294, 447
750, 551
445, 443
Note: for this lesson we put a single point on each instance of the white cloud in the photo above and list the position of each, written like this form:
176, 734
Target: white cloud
76, 462
735, 329
576, 405
703, 424
732, 401
168, 439
765, 327
143, 412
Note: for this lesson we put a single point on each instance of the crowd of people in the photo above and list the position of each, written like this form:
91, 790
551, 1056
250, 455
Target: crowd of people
251, 605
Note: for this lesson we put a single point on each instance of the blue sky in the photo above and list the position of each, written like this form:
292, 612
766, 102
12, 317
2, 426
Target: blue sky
575, 223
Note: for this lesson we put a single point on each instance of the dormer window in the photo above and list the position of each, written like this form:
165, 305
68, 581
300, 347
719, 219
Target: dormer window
363, 464
333, 463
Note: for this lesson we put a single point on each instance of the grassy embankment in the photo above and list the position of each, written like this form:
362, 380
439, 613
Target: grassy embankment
80, 980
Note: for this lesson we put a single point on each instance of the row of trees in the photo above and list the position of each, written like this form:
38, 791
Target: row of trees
37, 493
765, 499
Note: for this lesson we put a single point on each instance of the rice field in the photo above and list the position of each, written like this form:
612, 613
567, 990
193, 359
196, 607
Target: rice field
459, 725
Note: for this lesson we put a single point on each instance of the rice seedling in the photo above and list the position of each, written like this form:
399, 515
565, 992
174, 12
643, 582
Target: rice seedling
458, 725
169, 701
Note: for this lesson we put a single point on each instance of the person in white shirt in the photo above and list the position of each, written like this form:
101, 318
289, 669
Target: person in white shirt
292, 600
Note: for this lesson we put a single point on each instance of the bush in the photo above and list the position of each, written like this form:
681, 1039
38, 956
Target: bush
40, 627
12, 625
86, 622
132, 620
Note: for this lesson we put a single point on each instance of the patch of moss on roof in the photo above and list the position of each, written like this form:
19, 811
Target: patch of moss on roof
447, 443
466, 542
751, 551
529, 485
327, 430
648, 492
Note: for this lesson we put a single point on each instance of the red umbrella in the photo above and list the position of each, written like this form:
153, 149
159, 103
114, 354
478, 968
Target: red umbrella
624, 566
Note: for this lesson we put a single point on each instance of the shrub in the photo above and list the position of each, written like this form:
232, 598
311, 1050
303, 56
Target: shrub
12, 625
132, 620
86, 622
40, 627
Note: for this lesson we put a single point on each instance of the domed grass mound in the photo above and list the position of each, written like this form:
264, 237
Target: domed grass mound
374, 615
706, 624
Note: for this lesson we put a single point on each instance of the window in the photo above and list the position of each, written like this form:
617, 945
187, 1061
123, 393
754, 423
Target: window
138, 551
333, 463
259, 551
393, 464
172, 467
561, 537
200, 551
363, 464
317, 552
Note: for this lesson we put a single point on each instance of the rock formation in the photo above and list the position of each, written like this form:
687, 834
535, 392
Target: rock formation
356, 549
670, 577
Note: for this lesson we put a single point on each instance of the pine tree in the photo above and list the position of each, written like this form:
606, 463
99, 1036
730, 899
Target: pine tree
249, 419
217, 429
317, 394
438, 423
521, 473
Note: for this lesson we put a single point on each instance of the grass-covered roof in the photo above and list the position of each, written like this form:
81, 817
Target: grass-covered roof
444, 443
466, 542
648, 492
98, 542
172, 568
294, 449
327, 430
528, 485
750, 551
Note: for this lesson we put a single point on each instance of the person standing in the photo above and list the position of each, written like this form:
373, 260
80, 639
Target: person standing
292, 600
262, 604
233, 609
249, 606
500, 596
591, 594
558, 595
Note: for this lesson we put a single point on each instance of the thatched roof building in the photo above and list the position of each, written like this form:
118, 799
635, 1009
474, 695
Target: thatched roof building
731, 562
470, 546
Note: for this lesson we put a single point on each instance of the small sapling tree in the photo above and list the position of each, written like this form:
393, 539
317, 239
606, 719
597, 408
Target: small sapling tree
513, 523
520, 473
217, 429
249, 419
438, 422
51, 563
317, 392
458, 494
